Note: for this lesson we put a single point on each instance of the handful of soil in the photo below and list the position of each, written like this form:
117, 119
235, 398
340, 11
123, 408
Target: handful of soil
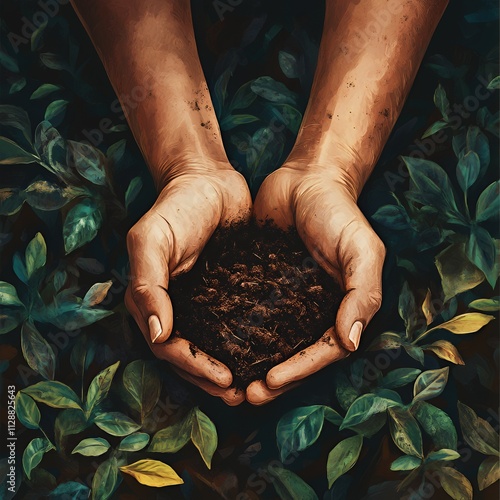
253, 299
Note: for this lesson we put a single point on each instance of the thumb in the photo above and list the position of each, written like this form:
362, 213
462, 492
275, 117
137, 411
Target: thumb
362, 274
149, 276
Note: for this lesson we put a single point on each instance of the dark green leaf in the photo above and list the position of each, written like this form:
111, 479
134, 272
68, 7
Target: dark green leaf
45, 195
393, 217
476, 141
11, 201
482, 252
388, 394
407, 309
12, 154
468, 170
142, 382
37, 37
54, 61
99, 387
298, 429
17, 86
69, 422
70, 490
37, 351
488, 473
363, 408
116, 423
36, 255
434, 128
82, 354
488, 203
16, 117
220, 90
54, 394
116, 151
27, 411
81, 225
8, 62
289, 486
8, 295
173, 438
55, 111
343, 458
399, 377
288, 64
415, 352
405, 432
345, 392
231, 121
91, 447
106, 479
273, 91
430, 384
243, 97
406, 463
133, 190
455, 483
494, 84
44, 90
441, 101
33, 454
204, 436
134, 442
88, 161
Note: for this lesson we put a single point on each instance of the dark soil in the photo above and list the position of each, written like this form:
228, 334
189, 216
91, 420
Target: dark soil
254, 298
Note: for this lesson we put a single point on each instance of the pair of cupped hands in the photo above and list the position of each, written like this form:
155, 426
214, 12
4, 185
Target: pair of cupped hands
199, 196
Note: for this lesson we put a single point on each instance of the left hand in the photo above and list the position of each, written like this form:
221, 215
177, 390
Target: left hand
321, 204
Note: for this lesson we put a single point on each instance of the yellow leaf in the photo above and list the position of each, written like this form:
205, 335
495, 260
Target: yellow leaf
152, 473
428, 308
445, 350
466, 323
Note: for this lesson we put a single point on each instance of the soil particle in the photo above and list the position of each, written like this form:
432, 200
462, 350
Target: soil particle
253, 299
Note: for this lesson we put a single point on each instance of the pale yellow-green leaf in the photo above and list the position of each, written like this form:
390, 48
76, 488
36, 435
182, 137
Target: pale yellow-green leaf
152, 473
455, 483
204, 436
466, 323
486, 305
488, 473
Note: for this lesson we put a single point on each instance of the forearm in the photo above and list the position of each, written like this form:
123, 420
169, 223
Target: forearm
149, 52
369, 56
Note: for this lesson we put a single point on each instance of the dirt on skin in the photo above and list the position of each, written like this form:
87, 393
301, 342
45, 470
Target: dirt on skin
254, 298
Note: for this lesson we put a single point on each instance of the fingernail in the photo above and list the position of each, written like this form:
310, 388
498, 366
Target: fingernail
154, 328
355, 333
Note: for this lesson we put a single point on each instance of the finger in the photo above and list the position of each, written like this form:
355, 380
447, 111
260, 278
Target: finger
182, 353
306, 362
259, 394
231, 396
361, 264
147, 245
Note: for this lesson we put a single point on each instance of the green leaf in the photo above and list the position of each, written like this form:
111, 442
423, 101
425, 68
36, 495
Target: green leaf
363, 408
105, 480
27, 411
99, 387
54, 61
82, 354
437, 424
231, 121
88, 161
8, 62
243, 98
481, 250
457, 273
11, 200
173, 438
45, 195
477, 432
81, 225
220, 90
441, 101
133, 190
91, 447
70, 490
288, 64
343, 458
494, 84
399, 377
442, 455
476, 141
345, 392
33, 454
36, 255
204, 436
415, 352
55, 111
405, 432
434, 128
16, 117
430, 384
486, 305
17, 85
69, 422
12, 154
116, 423
468, 170
134, 442
488, 203
37, 37
488, 473
271, 90
142, 382
96, 294
455, 483
54, 394
44, 90
115, 152
387, 340
37, 351
406, 463
407, 309
370, 426
8, 322
8, 295
289, 486
152, 473
445, 350
300, 428
394, 217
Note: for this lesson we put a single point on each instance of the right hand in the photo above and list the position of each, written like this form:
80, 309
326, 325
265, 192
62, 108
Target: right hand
165, 242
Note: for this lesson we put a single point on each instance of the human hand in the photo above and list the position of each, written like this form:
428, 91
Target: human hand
322, 205
165, 242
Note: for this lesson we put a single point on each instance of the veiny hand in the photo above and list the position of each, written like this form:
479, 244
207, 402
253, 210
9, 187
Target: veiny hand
321, 204
166, 242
